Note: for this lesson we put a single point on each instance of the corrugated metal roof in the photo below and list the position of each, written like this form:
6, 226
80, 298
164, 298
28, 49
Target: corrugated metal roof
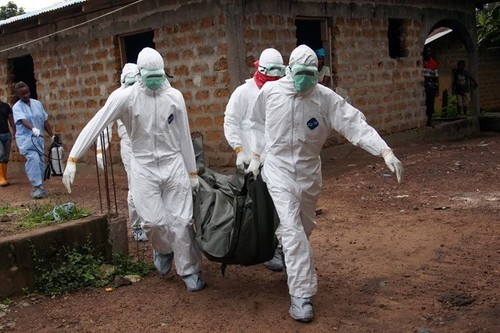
40, 11
438, 33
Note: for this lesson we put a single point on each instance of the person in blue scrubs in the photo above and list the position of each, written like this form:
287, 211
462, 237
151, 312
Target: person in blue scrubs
31, 124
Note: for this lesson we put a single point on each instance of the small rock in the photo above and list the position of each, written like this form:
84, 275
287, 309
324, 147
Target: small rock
5, 218
3, 310
133, 278
456, 299
442, 208
121, 281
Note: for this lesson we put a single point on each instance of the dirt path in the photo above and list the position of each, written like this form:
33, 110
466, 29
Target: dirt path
420, 257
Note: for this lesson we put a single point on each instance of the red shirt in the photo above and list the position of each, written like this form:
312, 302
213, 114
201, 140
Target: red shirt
431, 64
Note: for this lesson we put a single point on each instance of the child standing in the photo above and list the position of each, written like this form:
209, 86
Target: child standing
461, 86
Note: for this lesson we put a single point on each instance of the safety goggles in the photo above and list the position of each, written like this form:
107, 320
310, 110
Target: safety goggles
273, 70
157, 73
129, 80
306, 70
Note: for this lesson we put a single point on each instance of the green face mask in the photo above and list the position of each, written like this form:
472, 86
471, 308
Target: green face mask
153, 79
304, 77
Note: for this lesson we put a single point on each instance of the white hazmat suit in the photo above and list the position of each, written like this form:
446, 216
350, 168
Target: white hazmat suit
291, 128
162, 163
127, 79
237, 119
240, 105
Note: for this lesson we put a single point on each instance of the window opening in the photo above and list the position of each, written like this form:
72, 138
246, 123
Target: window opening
397, 38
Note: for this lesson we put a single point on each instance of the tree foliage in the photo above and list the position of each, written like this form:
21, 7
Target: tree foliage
10, 10
488, 27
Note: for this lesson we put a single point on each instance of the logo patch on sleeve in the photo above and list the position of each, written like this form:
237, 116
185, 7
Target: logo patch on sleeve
312, 123
170, 118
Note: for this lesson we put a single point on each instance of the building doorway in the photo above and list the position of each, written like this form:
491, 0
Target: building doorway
22, 69
311, 32
315, 33
450, 43
131, 45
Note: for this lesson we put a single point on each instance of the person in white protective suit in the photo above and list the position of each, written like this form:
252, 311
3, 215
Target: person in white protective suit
127, 79
162, 164
270, 67
291, 120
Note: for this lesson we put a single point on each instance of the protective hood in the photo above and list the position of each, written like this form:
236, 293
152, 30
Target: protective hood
151, 68
302, 60
150, 59
303, 55
270, 56
270, 63
129, 73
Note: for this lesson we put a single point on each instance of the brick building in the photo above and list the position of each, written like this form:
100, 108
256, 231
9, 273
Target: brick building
71, 54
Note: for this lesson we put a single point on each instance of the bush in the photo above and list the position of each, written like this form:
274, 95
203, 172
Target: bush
450, 111
71, 269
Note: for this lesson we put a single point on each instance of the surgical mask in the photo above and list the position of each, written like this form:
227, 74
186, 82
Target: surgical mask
153, 79
277, 70
304, 77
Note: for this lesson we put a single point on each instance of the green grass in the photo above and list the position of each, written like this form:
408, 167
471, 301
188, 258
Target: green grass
450, 111
69, 269
66, 269
6, 301
42, 215
8, 210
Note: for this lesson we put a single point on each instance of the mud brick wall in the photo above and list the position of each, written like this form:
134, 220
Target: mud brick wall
488, 74
75, 80
199, 66
264, 31
73, 83
386, 90
209, 47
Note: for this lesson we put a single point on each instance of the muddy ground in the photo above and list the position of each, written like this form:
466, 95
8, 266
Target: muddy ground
418, 257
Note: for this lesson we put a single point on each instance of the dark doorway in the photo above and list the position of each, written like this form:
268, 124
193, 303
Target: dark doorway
309, 32
131, 45
23, 70
316, 33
